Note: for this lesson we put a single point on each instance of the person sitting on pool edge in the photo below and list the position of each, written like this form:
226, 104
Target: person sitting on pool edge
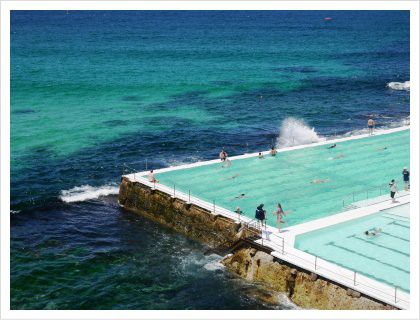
260, 214
373, 232
273, 151
151, 177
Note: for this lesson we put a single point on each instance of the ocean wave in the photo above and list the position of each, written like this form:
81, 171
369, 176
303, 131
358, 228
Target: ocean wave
87, 192
399, 85
294, 132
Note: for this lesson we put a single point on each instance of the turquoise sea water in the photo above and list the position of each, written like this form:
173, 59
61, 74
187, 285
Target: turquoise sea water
352, 166
385, 257
92, 90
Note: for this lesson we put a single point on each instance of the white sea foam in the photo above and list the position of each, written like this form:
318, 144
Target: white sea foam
399, 85
294, 132
86, 192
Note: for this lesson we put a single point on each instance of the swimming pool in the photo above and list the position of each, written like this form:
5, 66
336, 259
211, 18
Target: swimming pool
385, 257
353, 166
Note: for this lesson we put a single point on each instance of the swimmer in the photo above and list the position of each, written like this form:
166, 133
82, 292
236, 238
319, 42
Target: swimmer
382, 149
238, 210
241, 196
333, 146
260, 156
339, 156
232, 177
273, 151
151, 177
316, 181
373, 232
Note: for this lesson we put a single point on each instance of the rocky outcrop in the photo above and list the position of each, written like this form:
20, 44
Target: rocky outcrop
197, 223
305, 289
249, 260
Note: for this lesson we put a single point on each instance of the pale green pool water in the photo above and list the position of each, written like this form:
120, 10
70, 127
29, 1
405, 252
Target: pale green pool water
287, 177
385, 258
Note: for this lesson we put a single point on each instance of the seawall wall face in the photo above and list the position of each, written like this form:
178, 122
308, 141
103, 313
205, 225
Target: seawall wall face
195, 222
251, 263
303, 288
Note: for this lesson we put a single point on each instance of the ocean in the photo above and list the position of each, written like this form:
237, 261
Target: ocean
94, 92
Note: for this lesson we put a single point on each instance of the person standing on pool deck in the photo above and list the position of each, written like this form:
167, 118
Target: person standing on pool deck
393, 189
223, 155
406, 178
273, 151
279, 213
260, 214
371, 124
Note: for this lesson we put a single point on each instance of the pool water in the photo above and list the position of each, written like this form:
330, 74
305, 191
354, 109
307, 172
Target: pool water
385, 257
353, 166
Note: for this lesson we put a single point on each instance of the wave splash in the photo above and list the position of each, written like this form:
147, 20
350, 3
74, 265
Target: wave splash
399, 85
294, 132
87, 192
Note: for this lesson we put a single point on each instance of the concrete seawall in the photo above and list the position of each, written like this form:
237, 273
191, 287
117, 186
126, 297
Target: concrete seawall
248, 260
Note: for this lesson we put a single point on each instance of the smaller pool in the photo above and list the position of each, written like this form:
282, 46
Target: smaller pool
385, 257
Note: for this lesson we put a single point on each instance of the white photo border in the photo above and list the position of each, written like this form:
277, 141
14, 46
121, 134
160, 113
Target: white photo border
7, 6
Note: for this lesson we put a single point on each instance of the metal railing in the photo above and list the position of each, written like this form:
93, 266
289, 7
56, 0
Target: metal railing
367, 194
348, 277
311, 263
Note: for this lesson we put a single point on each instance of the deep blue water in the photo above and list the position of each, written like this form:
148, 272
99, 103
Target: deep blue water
93, 90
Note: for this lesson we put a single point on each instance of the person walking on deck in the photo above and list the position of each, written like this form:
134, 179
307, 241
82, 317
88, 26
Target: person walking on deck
393, 189
406, 178
279, 213
371, 125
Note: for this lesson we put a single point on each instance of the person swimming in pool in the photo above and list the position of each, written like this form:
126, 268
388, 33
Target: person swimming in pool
260, 155
382, 149
373, 232
241, 196
316, 181
332, 146
233, 177
339, 156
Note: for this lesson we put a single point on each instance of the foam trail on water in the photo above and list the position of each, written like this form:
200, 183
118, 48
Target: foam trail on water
294, 132
86, 192
399, 85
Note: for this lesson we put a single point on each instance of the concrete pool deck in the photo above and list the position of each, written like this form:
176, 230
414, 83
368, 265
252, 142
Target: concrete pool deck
282, 244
